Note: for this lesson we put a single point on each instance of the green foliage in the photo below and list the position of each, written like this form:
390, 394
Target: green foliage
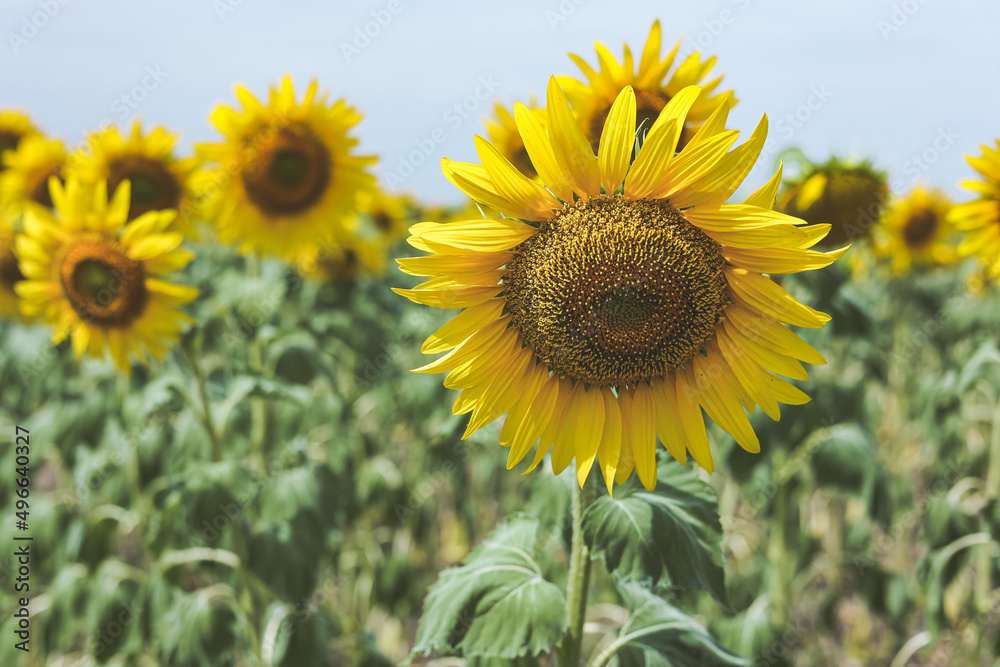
497, 604
657, 633
673, 529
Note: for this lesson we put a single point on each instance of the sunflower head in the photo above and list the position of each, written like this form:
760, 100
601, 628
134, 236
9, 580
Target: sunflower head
386, 215
612, 301
847, 196
24, 183
14, 126
344, 260
655, 81
914, 232
159, 180
979, 220
285, 173
98, 278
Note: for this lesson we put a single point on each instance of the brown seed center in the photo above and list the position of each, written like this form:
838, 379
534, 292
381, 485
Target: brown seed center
154, 186
919, 230
613, 292
289, 173
103, 285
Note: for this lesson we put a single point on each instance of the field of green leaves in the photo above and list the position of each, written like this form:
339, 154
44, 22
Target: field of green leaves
299, 503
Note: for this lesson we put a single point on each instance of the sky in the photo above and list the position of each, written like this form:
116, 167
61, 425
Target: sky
910, 84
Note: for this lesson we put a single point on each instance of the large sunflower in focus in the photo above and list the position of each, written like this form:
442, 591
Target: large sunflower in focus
158, 179
99, 279
914, 232
654, 84
620, 298
287, 173
24, 183
14, 126
980, 219
848, 196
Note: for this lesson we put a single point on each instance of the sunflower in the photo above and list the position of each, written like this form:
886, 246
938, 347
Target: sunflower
24, 184
914, 232
654, 86
347, 259
159, 180
502, 132
97, 278
387, 214
287, 174
850, 197
14, 126
10, 274
617, 300
980, 218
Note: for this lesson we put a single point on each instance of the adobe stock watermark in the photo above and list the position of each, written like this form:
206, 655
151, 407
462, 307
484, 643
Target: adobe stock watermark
563, 11
453, 118
901, 14
712, 29
364, 34
32, 24
794, 120
225, 7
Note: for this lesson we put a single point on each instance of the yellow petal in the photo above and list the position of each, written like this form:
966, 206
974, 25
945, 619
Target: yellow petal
764, 295
643, 434
570, 145
649, 172
615, 151
527, 196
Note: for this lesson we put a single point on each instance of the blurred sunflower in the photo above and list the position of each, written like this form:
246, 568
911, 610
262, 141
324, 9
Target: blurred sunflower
348, 259
980, 218
14, 126
159, 180
914, 232
654, 86
503, 135
388, 214
597, 322
24, 183
96, 277
287, 173
10, 274
847, 196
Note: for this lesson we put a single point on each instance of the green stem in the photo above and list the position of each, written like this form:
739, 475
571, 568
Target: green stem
776, 547
984, 562
579, 580
258, 405
205, 411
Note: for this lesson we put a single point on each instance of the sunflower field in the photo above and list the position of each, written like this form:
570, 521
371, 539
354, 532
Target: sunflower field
619, 402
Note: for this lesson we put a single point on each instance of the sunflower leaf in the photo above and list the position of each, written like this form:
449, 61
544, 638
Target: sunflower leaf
497, 604
655, 630
674, 529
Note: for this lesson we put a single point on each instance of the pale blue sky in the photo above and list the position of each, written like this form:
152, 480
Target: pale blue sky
899, 75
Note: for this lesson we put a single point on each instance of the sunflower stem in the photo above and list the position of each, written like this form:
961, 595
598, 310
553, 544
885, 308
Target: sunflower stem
205, 409
579, 579
258, 404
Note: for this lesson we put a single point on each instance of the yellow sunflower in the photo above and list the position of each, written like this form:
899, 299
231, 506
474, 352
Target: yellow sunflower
848, 196
14, 126
159, 180
914, 232
503, 135
287, 174
980, 218
347, 259
98, 278
654, 85
387, 214
10, 274
618, 299
24, 184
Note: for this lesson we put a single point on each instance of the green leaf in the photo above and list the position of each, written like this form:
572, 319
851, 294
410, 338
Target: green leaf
938, 579
674, 529
973, 369
656, 630
497, 604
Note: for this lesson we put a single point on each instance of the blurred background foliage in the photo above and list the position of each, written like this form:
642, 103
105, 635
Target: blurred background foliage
339, 489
